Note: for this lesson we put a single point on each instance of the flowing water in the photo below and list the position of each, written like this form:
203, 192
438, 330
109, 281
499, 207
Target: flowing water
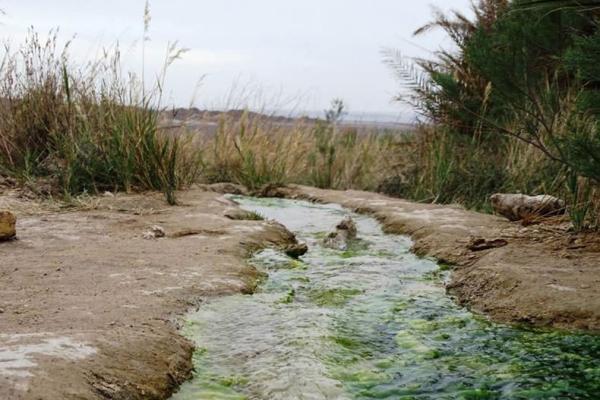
372, 322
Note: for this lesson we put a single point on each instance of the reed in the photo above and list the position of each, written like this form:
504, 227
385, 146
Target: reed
86, 128
254, 151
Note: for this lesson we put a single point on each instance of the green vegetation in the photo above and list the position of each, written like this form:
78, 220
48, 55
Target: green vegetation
86, 129
514, 108
334, 297
254, 216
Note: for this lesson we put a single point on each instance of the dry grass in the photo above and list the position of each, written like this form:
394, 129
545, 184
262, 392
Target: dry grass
85, 128
255, 152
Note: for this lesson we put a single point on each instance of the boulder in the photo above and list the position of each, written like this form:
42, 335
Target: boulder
516, 207
344, 233
8, 223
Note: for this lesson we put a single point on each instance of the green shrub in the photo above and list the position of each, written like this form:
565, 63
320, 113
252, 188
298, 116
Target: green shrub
515, 106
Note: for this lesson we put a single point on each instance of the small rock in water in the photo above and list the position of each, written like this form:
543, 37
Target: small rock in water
154, 233
345, 232
8, 223
296, 250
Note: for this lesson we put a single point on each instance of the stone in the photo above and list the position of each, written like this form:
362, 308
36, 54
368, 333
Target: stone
155, 232
516, 207
8, 225
345, 232
225, 188
272, 190
296, 250
481, 244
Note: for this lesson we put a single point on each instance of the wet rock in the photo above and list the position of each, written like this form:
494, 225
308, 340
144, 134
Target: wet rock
517, 207
296, 250
8, 223
155, 232
344, 233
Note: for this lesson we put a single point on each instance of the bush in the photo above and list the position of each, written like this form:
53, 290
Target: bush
515, 106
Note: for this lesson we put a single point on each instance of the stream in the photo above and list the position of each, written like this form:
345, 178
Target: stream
371, 322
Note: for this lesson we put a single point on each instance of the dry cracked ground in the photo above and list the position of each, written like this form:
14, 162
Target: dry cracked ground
89, 308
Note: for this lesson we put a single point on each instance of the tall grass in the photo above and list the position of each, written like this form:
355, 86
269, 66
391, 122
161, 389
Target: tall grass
86, 128
257, 151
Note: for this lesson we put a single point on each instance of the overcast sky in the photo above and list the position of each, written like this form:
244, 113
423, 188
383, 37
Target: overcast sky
276, 50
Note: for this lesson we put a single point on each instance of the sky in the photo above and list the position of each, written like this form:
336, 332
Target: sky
284, 54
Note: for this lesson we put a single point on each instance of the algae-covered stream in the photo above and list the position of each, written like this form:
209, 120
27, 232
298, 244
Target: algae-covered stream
372, 322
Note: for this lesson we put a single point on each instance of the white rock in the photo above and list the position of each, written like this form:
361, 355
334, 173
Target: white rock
516, 207
154, 233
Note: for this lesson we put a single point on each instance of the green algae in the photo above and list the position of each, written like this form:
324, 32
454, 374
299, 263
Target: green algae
374, 321
289, 297
333, 297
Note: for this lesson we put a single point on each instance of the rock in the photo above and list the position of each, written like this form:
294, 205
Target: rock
8, 225
516, 207
154, 233
225, 188
296, 250
272, 190
483, 244
344, 233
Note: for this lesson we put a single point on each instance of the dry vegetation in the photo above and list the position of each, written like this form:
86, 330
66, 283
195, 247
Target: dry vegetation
85, 129
93, 128
255, 152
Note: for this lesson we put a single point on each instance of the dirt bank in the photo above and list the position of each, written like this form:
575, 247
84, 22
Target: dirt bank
542, 275
89, 308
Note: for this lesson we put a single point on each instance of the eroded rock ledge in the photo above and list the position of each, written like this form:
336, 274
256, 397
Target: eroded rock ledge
538, 275
89, 308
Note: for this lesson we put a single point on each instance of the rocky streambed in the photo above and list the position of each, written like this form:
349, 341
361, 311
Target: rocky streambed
369, 320
91, 298
92, 301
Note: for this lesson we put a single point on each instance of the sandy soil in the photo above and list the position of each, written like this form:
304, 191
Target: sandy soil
89, 308
542, 275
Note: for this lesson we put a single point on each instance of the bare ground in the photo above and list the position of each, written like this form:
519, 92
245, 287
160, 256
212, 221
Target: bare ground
90, 309
542, 275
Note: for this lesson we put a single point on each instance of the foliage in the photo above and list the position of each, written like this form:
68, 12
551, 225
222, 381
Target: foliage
518, 95
87, 129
